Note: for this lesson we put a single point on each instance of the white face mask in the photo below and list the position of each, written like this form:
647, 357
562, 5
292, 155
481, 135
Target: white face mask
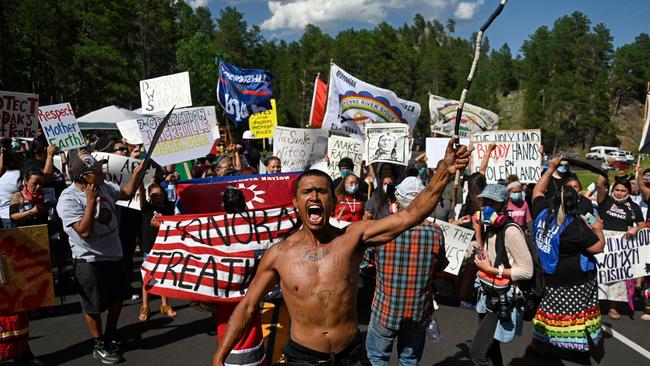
385, 187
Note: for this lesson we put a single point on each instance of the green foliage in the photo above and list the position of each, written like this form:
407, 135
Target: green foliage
93, 54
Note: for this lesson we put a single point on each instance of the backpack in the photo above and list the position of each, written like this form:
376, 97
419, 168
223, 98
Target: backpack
533, 289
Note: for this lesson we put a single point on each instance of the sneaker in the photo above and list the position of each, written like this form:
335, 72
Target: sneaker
113, 341
104, 354
645, 317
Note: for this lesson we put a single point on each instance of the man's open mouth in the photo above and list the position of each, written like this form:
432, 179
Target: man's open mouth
315, 213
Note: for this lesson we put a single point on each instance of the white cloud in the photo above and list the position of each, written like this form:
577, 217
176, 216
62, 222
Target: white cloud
296, 14
197, 3
467, 10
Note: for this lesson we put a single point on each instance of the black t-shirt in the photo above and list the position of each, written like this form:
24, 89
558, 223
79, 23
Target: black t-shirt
149, 232
585, 206
574, 240
619, 216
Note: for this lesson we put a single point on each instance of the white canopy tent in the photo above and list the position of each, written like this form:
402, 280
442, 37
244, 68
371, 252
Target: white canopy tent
105, 118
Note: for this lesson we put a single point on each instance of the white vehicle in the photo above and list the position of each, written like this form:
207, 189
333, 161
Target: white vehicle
617, 156
628, 155
600, 152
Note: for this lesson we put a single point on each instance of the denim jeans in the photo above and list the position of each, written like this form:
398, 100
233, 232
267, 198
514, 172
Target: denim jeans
410, 343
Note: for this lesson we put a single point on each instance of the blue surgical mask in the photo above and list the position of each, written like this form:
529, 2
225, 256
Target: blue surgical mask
345, 172
352, 189
422, 171
515, 196
562, 169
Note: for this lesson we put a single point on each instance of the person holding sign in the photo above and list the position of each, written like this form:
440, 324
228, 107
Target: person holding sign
568, 317
87, 209
619, 213
317, 269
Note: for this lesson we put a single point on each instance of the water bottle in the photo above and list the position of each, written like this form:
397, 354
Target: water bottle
171, 191
433, 333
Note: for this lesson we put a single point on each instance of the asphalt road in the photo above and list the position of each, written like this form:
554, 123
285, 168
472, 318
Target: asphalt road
61, 337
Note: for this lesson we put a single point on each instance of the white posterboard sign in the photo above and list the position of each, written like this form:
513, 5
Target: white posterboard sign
436, 147
18, 114
299, 148
189, 134
130, 130
119, 170
457, 241
388, 143
162, 93
339, 147
517, 152
624, 258
60, 126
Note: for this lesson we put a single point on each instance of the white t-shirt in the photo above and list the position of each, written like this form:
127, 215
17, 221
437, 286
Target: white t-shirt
8, 186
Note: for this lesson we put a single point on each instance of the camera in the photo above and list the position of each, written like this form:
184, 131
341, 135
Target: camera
501, 306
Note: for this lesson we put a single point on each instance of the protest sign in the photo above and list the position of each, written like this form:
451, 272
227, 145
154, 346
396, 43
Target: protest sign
457, 241
388, 143
624, 258
130, 130
339, 147
263, 124
60, 126
436, 147
260, 192
119, 170
243, 92
25, 269
18, 114
189, 134
162, 93
517, 152
208, 258
474, 119
353, 103
299, 148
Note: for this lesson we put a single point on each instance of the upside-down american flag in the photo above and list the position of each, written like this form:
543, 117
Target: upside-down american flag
212, 257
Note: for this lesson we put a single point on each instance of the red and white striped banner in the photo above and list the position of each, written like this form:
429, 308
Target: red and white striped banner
212, 258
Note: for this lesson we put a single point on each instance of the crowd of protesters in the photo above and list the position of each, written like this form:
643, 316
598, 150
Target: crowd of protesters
100, 239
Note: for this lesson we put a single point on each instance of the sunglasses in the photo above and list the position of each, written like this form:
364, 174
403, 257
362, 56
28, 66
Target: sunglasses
122, 148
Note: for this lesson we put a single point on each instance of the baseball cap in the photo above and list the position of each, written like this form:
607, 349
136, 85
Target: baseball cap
248, 135
406, 191
495, 192
85, 164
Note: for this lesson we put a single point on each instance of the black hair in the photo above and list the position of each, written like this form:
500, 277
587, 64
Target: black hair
316, 173
576, 179
412, 172
153, 186
28, 174
646, 171
624, 182
382, 199
340, 189
271, 158
475, 185
10, 160
347, 162
234, 201
565, 202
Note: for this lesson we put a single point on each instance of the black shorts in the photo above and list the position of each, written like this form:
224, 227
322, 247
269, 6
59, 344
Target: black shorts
100, 284
297, 355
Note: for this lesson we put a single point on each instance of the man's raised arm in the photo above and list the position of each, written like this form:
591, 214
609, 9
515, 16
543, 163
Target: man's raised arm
388, 228
265, 278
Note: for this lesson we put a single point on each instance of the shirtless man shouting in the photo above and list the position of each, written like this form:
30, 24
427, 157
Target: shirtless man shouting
317, 268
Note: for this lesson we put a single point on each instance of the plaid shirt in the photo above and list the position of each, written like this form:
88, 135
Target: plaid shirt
405, 269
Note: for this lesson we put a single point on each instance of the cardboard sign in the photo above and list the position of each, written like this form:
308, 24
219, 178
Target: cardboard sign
388, 143
474, 118
119, 170
517, 152
436, 147
130, 130
624, 258
213, 257
60, 126
339, 147
162, 93
189, 134
263, 124
25, 269
18, 114
299, 148
457, 241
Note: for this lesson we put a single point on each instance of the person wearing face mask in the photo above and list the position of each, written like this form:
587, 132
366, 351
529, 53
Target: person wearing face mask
558, 179
346, 167
517, 207
350, 201
383, 201
585, 207
618, 213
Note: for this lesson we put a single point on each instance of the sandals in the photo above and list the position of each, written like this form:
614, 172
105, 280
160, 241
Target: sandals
613, 314
144, 313
168, 311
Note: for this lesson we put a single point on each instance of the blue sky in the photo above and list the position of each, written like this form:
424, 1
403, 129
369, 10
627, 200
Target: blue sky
285, 19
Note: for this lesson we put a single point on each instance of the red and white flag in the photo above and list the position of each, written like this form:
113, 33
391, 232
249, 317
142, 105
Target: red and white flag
318, 101
213, 258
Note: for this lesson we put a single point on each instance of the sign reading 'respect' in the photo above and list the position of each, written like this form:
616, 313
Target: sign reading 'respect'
60, 126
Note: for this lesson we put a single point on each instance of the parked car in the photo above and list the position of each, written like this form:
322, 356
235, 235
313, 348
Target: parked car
628, 155
600, 152
616, 156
